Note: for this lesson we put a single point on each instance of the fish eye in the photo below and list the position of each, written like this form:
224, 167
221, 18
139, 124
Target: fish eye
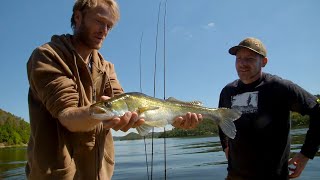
107, 104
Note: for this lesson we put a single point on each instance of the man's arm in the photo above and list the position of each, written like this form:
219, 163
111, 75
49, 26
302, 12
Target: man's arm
224, 142
310, 146
312, 140
78, 120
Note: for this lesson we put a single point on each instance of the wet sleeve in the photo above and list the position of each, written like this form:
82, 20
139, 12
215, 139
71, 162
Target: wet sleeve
51, 81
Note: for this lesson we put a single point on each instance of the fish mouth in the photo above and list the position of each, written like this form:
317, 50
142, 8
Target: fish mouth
100, 113
97, 110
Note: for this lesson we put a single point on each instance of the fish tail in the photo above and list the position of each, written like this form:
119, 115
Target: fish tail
226, 118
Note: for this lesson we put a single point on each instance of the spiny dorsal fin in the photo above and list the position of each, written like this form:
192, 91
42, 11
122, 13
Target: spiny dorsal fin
196, 103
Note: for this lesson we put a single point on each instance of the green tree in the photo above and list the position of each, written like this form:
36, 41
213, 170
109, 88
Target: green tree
13, 130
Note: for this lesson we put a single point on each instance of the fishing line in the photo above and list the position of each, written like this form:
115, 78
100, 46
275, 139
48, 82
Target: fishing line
154, 83
140, 63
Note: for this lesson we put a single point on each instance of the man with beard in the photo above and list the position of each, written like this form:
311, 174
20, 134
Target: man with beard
260, 150
67, 75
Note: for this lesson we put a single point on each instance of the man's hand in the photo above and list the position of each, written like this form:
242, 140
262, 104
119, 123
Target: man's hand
189, 121
299, 161
124, 123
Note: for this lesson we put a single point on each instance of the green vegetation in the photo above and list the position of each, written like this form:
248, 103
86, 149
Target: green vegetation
13, 130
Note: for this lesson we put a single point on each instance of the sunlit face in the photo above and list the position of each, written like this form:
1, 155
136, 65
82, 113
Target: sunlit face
249, 65
92, 27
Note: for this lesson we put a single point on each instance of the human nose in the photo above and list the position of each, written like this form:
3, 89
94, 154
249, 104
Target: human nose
241, 62
105, 28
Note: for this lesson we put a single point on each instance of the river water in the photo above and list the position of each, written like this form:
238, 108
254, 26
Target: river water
184, 158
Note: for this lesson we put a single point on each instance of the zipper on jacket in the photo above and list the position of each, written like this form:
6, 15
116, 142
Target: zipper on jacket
94, 94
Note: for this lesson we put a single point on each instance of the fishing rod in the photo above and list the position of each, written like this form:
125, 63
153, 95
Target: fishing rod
164, 87
154, 90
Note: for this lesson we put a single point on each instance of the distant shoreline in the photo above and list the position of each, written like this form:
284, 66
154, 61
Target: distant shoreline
2, 145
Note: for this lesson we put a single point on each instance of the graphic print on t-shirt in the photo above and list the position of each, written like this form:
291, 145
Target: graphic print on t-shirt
245, 102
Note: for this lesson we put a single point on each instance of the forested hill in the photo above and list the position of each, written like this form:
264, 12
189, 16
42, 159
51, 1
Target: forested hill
13, 130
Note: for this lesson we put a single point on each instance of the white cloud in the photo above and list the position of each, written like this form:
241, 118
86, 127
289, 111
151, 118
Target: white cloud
210, 25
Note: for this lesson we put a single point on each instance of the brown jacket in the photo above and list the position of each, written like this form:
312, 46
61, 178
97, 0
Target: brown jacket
59, 79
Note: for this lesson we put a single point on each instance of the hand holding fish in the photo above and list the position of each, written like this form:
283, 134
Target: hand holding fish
189, 121
123, 123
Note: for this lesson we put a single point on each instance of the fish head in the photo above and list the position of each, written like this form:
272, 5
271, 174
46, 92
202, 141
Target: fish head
108, 109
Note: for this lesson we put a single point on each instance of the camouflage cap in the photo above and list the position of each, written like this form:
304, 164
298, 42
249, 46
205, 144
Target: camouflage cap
250, 43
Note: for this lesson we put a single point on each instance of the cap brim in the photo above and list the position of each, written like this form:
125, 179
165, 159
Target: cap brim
234, 50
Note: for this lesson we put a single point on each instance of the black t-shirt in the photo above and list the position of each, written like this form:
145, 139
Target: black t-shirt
262, 144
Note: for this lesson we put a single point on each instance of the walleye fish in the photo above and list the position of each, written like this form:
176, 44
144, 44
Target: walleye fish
158, 113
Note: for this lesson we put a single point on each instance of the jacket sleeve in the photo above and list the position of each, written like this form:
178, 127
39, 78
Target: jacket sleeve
51, 81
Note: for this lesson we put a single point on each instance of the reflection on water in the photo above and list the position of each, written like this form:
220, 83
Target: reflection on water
12, 162
186, 158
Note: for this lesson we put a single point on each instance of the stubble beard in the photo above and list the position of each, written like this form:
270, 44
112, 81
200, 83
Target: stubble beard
249, 77
83, 35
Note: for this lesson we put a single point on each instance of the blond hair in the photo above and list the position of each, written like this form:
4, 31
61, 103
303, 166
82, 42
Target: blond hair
83, 5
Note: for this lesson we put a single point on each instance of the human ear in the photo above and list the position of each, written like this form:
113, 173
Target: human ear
264, 61
77, 18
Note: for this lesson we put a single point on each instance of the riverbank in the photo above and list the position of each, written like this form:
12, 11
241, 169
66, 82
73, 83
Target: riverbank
3, 145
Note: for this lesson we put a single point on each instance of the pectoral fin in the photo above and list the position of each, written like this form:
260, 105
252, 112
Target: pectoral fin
145, 128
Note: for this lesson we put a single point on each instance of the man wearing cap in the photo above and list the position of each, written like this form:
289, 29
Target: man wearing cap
261, 147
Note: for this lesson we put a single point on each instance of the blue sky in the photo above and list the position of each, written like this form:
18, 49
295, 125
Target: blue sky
198, 36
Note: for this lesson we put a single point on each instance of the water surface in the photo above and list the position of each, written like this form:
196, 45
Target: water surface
184, 158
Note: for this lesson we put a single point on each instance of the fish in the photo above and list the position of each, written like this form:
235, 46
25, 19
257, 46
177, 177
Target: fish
159, 113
